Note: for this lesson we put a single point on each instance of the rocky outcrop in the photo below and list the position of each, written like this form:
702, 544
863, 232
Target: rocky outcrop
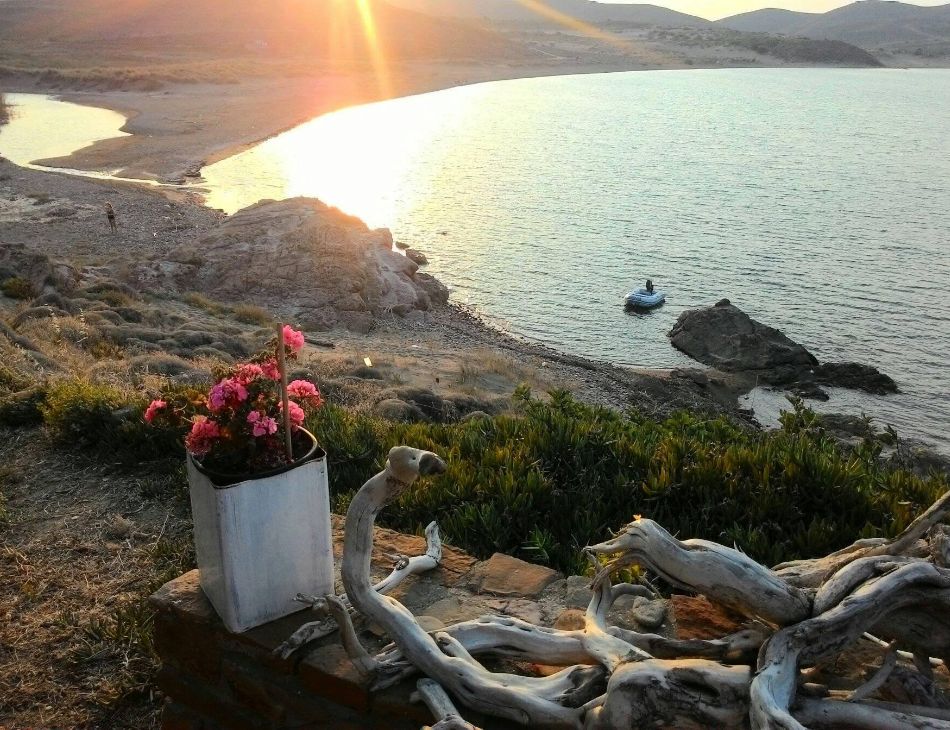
303, 259
43, 274
726, 338
855, 375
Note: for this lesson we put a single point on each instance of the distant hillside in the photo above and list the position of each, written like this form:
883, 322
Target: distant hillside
868, 23
768, 20
515, 11
321, 27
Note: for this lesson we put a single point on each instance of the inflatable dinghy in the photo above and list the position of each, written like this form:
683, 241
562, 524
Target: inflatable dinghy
643, 299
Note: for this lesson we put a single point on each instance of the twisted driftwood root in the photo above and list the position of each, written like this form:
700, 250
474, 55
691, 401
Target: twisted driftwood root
803, 615
403, 567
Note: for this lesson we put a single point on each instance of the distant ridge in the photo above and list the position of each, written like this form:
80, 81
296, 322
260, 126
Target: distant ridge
867, 23
513, 11
316, 26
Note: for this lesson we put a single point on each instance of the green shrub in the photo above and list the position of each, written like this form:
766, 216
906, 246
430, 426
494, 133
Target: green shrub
16, 287
563, 475
249, 314
106, 419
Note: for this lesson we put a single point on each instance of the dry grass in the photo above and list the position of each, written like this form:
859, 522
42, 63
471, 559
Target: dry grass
75, 646
200, 301
250, 314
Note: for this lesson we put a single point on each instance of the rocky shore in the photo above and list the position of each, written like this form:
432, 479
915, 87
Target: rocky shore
726, 338
183, 281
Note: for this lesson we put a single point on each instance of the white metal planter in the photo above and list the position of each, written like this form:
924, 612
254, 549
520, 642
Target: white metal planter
260, 542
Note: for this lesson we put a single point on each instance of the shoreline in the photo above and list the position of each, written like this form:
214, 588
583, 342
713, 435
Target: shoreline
134, 159
726, 390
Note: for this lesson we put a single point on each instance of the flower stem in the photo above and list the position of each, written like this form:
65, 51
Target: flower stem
284, 397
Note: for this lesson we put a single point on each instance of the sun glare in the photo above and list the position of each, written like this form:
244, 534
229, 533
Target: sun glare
591, 31
569, 21
374, 45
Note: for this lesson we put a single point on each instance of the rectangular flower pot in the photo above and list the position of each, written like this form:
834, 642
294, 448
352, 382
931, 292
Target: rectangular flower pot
260, 542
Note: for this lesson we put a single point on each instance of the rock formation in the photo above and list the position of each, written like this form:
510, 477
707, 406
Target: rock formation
728, 339
42, 273
300, 257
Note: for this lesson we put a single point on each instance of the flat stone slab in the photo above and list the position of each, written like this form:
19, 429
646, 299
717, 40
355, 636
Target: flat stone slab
503, 575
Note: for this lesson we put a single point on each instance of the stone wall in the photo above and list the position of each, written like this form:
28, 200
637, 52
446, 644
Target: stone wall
215, 680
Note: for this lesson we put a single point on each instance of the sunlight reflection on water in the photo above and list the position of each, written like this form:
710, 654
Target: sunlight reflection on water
818, 200
42, 127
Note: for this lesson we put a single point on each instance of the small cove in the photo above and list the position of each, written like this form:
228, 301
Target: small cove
42, 127
815, 199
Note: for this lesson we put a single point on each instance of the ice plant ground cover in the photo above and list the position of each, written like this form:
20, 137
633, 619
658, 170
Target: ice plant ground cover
236, 427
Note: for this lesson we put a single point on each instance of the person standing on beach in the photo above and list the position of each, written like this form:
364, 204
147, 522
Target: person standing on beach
110, 214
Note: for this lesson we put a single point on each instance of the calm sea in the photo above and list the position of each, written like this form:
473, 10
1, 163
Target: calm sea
818, 200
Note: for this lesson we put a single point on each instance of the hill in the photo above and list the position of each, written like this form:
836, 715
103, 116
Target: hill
868, 23
514, 11
331, 29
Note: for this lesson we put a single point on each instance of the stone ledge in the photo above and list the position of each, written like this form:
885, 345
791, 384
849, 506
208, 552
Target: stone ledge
216, 680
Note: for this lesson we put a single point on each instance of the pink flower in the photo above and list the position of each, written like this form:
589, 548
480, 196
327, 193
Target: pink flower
296, 414
247, 373
229, 392
293, 339
306, 391
153, 408
202, 436
270, 370
261, 425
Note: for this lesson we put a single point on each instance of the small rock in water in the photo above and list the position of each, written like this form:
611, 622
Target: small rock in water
417, 257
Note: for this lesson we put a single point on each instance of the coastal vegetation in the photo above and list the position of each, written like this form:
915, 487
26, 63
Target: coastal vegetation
515, 482
540, 481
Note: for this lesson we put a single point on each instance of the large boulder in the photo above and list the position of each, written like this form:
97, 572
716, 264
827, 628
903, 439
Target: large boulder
304, 259
855, 375
43, 273
726, 338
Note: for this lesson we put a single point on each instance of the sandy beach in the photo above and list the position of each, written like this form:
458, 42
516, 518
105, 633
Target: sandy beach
183, 127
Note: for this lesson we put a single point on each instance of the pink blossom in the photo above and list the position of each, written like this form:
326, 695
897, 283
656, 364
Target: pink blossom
296, 414
305, 391
270, 369
293, 338
153, 408
229, 392
247, 373
261, 425
202, 436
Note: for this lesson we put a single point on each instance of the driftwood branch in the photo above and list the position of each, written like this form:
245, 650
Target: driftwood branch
803, 615
403, 568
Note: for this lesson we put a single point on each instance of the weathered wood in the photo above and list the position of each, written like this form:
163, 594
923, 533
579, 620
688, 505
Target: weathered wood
440, 705
728, 576
804, 613
403, 568
773, 689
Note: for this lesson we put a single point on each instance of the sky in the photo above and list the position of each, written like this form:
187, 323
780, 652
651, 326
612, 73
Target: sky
715, 9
